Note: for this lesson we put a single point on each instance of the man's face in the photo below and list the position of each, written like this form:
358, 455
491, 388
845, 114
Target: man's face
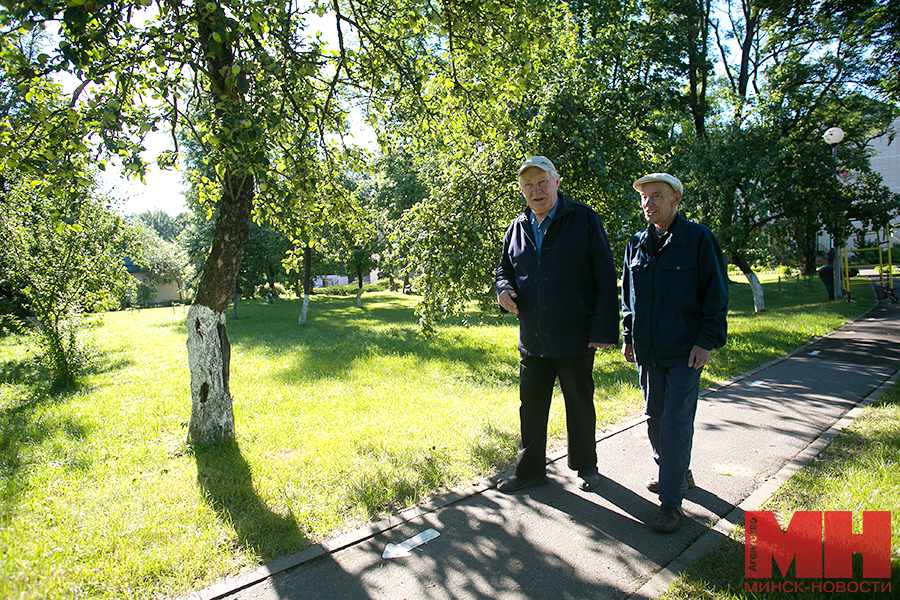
660, 203
539, 189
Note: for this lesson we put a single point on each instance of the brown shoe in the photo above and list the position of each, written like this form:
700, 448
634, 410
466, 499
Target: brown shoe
653, 484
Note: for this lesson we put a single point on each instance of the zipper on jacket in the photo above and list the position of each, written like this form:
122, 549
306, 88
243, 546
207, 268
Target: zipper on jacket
529, 236
653, 265
539, 283
652, 302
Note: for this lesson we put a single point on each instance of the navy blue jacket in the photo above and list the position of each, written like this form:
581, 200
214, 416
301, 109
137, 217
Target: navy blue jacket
676, 300
567, 296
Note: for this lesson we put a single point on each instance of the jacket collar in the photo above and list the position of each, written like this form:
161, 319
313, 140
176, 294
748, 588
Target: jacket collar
563, 205
674, 229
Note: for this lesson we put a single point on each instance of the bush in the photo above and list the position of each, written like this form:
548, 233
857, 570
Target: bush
261, 291
784, 271
350, 288
60, 352
895, 269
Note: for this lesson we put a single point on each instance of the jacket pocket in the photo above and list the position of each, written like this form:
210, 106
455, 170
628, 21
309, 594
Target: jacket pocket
639, 269
679, 278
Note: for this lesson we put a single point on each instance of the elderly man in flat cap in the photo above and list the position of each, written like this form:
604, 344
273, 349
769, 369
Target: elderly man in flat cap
557, 274
674, 306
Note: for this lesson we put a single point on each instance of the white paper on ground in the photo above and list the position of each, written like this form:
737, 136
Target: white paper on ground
402, 549
756, 383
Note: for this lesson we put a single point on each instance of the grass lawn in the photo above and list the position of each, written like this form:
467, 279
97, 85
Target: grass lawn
339, 422
858, 471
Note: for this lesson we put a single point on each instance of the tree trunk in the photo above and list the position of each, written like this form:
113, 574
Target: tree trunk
805, 235
208, 349
209, 358
302, 319
698, 63
759, 302
307, 271
307, 282
359, 290
270, 275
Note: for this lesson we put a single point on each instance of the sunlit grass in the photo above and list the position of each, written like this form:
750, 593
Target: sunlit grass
339, 422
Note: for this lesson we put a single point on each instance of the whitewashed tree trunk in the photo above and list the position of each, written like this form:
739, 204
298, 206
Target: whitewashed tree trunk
302, 319
209, 358
209, 353
838, 275
359, 297
759, 301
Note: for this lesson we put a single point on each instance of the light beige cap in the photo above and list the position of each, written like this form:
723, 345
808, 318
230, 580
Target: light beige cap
671, 180
541, 162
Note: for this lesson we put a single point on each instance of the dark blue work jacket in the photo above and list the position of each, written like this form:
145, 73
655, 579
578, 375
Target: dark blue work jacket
675, 299
567, 294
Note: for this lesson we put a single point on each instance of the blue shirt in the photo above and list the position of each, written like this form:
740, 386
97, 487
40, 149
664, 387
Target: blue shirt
540, 230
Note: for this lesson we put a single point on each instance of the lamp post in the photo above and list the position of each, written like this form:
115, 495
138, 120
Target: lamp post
834, 136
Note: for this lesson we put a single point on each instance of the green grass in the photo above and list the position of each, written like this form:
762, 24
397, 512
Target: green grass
339, 422
858, 471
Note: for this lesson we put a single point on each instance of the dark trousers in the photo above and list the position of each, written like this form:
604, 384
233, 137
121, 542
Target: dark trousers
536, 379
671, 397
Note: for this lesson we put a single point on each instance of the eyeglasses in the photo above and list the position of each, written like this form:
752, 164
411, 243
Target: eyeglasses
539, 185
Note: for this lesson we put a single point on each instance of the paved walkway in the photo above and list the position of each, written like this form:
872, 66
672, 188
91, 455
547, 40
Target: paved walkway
555, 541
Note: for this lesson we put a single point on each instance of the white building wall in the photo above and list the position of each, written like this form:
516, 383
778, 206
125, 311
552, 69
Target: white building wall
885, 160
165, 292
886, 157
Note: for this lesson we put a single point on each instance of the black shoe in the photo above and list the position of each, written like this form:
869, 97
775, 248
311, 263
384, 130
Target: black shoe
667, 520
516, 483
588, 481
653, 484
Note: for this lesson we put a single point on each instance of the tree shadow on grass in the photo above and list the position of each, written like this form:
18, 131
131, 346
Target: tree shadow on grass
28, 421
25, 423
226, 482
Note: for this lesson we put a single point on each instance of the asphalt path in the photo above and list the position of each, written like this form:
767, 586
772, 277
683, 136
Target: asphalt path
557, 542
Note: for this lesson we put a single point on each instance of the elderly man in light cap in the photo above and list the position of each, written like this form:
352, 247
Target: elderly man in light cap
674, 306
557, 274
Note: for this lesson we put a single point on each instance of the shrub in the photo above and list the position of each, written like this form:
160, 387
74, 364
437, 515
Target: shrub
350, 288
784, 271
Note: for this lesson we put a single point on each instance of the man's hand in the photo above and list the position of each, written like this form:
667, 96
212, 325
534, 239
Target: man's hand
506, 301
699, 357
628, 352
599, 346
